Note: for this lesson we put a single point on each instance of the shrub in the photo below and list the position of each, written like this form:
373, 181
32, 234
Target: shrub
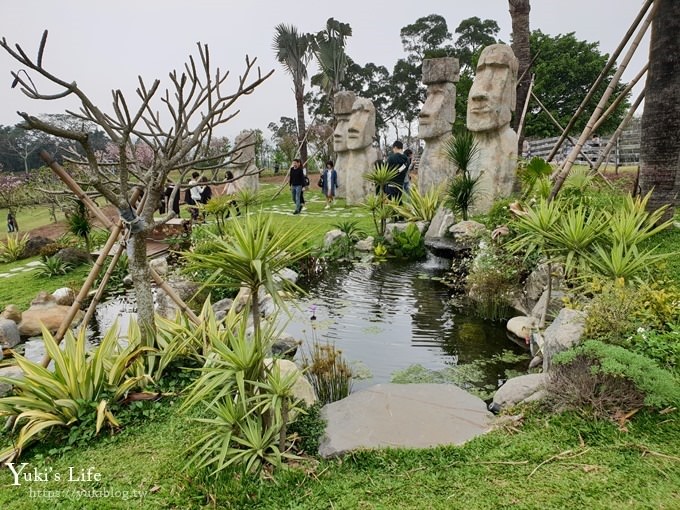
607, 379
13, 247
52, 266
308, 427
661, 346
409, 244
80, 387
420, 207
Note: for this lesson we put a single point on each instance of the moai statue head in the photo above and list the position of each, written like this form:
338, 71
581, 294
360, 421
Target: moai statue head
439, 111
245, 145
361, 128
492, 96
342, 107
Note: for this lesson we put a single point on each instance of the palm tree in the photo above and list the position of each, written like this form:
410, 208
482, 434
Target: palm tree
463, 189
660, 148
252, 255
519, 12
329, 49
293, 51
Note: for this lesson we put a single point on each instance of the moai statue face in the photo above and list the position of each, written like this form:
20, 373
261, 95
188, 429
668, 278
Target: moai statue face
361, 128
439, 110
492, 96
342, 108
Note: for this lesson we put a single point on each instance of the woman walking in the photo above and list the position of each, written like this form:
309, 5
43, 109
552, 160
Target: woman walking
329, 183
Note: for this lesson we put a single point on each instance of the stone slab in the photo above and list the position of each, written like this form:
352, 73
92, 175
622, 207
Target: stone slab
403, 416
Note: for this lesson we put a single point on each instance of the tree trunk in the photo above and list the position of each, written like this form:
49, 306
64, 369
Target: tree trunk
519, 11
302, 130
141, 279
660, 148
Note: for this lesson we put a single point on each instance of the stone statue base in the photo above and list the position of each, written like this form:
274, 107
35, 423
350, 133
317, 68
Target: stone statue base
358, 164
434, 167
496, 162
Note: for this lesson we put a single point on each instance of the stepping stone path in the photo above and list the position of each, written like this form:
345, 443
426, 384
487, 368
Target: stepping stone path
403, 416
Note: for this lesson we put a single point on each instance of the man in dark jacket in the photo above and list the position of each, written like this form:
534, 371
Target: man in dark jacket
399, 162
297, 182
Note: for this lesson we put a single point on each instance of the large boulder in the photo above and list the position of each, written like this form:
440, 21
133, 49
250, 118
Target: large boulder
44, 310
522, 389
564, 333
13, 372
331, 237
393, 228
186, 290
521, 327
73, 256
34, 245
556, 304
160, 265
466, 231
365, 245
9, 334
285, 346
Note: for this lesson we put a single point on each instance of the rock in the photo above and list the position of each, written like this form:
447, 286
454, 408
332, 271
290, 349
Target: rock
160, 265
185, 289
34, 245
302, 389
286, 274
127, 281
466, 231
447, 248
522, 389
439, 226
556, 304
64, 296
403, 415
73, 256
331, 237
365, 245
11, 312
536, 361
9, 334
50, 314
521, 327
12, 371
285, 346
564, 332
223, 305
43, 298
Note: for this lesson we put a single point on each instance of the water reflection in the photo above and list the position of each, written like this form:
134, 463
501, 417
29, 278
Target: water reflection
390, 316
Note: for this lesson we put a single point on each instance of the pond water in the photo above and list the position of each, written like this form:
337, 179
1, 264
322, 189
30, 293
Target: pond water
386, 318
393, 315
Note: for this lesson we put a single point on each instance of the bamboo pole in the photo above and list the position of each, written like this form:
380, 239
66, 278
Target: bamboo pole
600, 106
520, 124
601, 77
620, 97
626, 120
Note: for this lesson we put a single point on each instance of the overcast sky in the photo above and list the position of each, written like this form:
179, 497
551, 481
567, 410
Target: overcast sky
104, 45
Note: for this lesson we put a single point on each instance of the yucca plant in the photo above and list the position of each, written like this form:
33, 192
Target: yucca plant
13, 247
631, 223
418, 207
51, 266
380, 205
64, 397
221, 207
461, 149
246, 199
344, 246
619, 261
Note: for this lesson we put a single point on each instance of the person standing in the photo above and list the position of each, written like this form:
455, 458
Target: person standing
193, 195
12, 225
399, 162
409, 166
329, 183
296, 181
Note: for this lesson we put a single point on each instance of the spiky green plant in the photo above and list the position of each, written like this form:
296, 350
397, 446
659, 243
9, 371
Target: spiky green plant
80, 380
51, 266
532, 172
13, 247
461, 149
419, 207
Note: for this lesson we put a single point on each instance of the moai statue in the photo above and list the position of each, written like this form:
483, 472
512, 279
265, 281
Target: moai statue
435, 121
342, 107
362, 155
243, 161
490, 106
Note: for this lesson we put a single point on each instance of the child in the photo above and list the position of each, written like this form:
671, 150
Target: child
329, 183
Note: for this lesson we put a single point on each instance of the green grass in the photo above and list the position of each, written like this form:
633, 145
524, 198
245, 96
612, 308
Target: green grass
21, 288
29, 218
555, 462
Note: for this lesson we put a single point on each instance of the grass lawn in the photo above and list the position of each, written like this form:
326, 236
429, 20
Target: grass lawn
29, 218
558, 462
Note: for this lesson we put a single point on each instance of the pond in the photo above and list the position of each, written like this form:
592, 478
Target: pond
393, 315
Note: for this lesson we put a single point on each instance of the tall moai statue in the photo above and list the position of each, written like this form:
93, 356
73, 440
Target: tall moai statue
342, 107
362, 156
243, 161
489, 111
436, 120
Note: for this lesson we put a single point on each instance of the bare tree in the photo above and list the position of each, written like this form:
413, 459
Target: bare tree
193, 105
